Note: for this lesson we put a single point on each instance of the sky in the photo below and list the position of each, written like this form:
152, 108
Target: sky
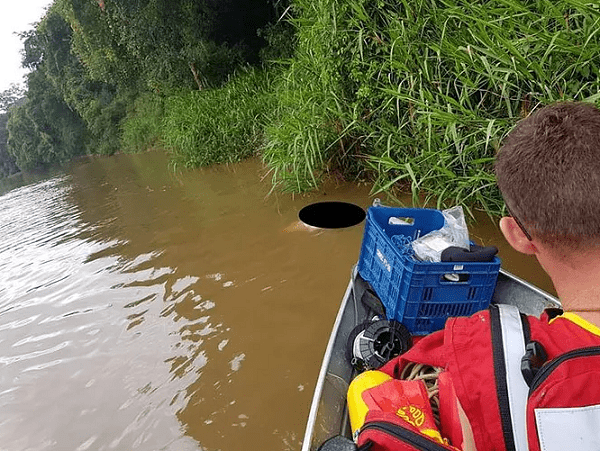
17, 16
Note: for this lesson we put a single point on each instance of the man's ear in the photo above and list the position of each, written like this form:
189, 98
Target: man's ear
515, 236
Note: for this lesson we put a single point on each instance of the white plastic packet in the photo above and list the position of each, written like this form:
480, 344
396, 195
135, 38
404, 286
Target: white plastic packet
429, 247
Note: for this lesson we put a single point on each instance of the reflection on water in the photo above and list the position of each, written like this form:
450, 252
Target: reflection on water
141, 309
146, 310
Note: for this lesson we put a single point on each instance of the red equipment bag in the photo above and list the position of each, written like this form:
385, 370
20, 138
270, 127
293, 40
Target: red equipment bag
563, 409
545, 405
400, 418
515, 398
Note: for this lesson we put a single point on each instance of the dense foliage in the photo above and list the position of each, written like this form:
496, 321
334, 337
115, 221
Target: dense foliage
422, 91
9, 98
220, 126
94, 64
416, 94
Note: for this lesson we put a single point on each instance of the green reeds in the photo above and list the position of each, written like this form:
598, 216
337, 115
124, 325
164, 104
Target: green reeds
219, 125
142, 128
421, 92
307, 130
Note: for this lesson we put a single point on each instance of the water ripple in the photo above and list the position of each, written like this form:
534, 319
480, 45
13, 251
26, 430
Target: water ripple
33, 355
145, 309
87, 330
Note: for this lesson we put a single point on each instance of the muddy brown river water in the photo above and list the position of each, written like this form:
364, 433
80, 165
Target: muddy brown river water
151, 310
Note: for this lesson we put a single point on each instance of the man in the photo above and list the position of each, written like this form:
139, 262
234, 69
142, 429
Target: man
548, 171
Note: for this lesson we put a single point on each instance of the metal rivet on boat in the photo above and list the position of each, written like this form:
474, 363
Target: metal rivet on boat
332, 215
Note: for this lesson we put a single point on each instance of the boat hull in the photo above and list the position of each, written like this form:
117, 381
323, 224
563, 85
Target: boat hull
328, 413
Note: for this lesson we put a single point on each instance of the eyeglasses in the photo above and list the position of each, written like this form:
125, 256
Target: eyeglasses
519, 223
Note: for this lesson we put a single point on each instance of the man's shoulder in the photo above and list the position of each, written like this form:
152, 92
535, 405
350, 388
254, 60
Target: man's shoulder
562, 332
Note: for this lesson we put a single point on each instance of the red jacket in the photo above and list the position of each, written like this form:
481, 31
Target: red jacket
463, 349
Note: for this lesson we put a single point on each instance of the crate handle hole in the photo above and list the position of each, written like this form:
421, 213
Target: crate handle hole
453, 277
401, 220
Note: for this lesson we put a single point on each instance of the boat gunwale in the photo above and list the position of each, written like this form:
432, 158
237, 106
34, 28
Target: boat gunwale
314, 406
532, 287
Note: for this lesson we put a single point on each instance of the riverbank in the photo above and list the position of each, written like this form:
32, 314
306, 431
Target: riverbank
410, 96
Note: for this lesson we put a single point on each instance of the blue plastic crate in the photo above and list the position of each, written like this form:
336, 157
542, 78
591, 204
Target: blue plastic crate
421, 295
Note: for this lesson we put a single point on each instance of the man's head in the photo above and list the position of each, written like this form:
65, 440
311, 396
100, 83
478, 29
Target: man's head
548, 170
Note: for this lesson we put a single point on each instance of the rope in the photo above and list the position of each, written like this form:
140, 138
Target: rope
429, 375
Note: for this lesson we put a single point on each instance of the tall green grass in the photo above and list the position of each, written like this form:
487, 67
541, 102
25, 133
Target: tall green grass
220, 125
142, 128
306, 135
421, 92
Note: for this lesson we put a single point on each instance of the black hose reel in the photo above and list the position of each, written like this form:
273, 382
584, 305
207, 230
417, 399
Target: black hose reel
374, 343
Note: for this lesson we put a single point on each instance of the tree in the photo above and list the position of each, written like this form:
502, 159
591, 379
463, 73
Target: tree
90, 60
95, 43
8, 98
98, 104
165, 44
237, 24
44, 130
8, 164
170, 42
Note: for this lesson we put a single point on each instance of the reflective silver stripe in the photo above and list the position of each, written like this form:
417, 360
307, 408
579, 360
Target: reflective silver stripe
514, 349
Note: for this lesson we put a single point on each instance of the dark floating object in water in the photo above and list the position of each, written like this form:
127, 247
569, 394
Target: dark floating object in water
332, 215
